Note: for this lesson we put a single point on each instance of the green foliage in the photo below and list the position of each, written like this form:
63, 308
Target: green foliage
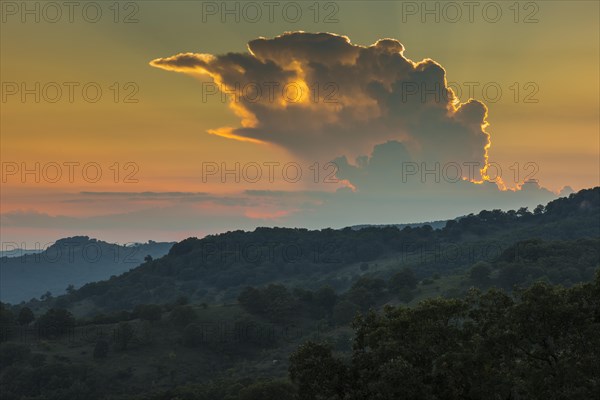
404, 279
563, 262
541, 344
317, 373
11, 353
101, 349
228, 390
274, 302
326, 298
116, 317
25, 316
6, 319
124, 334
269, 390
405, 295
183, 315
148, 312
251, 299
193, 335
366, 292
480, 273
52, 381
344, 312
55, 322
37, 360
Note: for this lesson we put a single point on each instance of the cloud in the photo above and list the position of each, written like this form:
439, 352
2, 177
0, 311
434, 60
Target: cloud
346, 98
405, 147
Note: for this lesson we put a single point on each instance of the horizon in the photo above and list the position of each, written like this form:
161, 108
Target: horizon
39, 246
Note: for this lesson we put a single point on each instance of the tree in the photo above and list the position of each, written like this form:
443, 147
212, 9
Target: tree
279, 303
538, 210
183, 315
25, 316
366, 292
317, 374
404, 279
148, 258
6, 316
101, 349
70, 289
193, 335
480, 273
405, 295
46, 296
148, 312
344, 312
251, 300
274, 302
55, 322
124, 335
326, 298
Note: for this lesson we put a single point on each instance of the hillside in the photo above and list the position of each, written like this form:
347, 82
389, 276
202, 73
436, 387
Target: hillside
216, 268
69, 261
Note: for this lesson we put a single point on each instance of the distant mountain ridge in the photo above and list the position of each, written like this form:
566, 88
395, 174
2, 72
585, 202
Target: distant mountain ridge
70, 261
18, 252
217, 267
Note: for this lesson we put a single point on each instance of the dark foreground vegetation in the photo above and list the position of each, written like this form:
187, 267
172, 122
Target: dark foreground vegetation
377, 313
539, 343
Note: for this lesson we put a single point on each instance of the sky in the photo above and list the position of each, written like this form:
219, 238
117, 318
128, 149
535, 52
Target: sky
114, 122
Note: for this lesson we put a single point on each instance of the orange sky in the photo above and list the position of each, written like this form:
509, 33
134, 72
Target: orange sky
152, 126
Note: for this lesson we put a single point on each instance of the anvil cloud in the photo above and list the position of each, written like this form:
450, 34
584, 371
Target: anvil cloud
376, 95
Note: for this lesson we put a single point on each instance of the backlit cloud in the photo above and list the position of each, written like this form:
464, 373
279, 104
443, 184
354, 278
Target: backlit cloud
320, 96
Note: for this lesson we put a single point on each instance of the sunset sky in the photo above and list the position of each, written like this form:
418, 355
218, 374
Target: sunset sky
150, 132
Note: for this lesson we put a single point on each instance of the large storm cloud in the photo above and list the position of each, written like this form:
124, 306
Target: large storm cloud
342, 99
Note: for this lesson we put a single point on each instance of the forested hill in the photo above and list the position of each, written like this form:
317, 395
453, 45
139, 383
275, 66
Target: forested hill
69, 262
216, 268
